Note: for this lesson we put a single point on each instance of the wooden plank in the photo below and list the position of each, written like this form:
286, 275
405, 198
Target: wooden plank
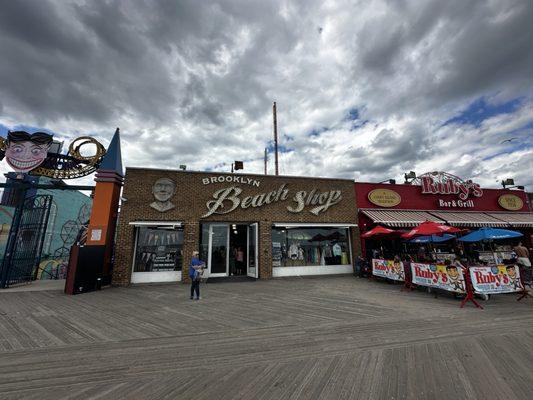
316, 338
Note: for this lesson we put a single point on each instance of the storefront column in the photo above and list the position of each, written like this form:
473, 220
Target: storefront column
265, 249
356, 243
191, 237
124, 252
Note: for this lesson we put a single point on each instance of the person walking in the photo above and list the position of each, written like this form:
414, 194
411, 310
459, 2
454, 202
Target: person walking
196, 268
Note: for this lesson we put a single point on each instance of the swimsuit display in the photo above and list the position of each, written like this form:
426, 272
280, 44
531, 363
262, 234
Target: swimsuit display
310, 247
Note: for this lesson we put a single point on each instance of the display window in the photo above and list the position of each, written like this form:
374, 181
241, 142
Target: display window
158, 249
293, 247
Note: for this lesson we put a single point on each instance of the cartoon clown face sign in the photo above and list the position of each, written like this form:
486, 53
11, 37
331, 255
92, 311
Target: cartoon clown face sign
24, 151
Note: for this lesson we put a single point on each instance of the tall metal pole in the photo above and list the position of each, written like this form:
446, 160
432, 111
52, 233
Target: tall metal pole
275, 137
266, 160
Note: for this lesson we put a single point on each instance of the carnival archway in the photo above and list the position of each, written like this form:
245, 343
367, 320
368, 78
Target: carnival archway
37, 155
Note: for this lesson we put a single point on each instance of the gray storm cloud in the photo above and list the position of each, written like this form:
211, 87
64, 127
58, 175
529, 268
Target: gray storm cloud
193, 82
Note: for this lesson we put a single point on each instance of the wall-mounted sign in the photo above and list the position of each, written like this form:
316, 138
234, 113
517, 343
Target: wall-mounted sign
229, 199
444, 183
384, 197
25, 151
231, 179
456, 203
510, 202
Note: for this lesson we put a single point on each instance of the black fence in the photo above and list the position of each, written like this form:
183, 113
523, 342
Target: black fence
25, 241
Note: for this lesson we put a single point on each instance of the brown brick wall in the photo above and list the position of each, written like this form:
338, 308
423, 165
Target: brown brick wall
190, 204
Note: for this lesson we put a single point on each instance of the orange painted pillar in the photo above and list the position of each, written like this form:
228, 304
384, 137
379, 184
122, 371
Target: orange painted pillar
109, 180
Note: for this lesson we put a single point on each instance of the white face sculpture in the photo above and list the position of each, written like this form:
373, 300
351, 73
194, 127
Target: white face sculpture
163, 189
25, 156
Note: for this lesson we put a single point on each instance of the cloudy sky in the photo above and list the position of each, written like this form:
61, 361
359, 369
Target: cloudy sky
365, 89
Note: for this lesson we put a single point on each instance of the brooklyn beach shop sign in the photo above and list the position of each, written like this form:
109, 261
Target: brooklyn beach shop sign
230, 198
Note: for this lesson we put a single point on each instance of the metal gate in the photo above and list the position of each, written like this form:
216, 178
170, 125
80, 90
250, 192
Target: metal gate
25, 242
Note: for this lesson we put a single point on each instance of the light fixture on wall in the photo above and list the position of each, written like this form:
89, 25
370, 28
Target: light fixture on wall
409, 177
236, 165
509, 184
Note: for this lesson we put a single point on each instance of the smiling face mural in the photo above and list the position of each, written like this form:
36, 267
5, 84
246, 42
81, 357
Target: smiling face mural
25, 151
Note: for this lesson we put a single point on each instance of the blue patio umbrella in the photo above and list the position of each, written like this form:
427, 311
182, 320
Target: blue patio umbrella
490, 234
432, 239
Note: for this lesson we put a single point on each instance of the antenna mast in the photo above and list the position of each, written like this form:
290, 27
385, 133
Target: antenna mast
275, 137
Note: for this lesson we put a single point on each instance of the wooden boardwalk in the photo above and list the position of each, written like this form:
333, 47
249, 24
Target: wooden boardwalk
313, 338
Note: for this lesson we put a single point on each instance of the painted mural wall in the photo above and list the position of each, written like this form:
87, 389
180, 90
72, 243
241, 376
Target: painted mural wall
70, 211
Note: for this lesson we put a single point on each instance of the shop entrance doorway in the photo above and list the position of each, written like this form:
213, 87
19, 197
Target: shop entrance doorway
230, 249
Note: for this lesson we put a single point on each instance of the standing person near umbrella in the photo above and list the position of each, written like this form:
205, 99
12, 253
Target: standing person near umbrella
523, 255
524, 262
196, 268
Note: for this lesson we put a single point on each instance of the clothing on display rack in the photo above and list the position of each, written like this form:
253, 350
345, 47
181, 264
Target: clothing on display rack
293, 251
337, 250
344, 258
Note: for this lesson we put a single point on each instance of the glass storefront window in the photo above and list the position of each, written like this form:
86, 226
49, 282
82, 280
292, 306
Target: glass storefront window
158, 249
310, 246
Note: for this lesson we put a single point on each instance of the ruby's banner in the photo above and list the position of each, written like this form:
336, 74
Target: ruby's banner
388, 269
496, 279
444, 277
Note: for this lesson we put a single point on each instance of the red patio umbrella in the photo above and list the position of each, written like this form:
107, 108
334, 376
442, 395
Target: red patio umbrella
427, 228
377, 231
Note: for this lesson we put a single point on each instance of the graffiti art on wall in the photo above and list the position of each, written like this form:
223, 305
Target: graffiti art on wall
28, 153
55, 266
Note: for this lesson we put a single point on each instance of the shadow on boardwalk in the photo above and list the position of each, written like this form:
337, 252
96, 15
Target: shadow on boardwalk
312, 338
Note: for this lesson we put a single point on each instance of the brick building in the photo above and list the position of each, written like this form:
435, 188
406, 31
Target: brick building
260, 226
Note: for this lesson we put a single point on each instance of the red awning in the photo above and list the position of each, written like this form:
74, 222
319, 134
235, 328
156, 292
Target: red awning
514, 219
469, 218
399, 218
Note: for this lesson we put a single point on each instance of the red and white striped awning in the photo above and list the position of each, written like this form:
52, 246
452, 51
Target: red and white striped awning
469, 219
400, 218
515, 219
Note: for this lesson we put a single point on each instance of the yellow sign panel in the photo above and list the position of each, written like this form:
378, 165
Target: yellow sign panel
384, 197
510, 202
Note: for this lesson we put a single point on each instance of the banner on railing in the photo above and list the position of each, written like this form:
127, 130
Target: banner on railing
388, 269
496, 279
446, 277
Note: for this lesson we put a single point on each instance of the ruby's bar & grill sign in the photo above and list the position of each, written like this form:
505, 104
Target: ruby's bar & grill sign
445, 184
446, 277
388, 269
496, 279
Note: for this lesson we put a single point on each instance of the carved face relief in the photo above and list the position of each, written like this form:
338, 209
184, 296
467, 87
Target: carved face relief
163, 190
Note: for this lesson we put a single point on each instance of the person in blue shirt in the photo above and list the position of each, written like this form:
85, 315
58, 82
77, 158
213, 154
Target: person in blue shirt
196, 268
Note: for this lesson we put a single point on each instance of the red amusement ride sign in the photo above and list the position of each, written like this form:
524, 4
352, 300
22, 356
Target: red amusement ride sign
444, 183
